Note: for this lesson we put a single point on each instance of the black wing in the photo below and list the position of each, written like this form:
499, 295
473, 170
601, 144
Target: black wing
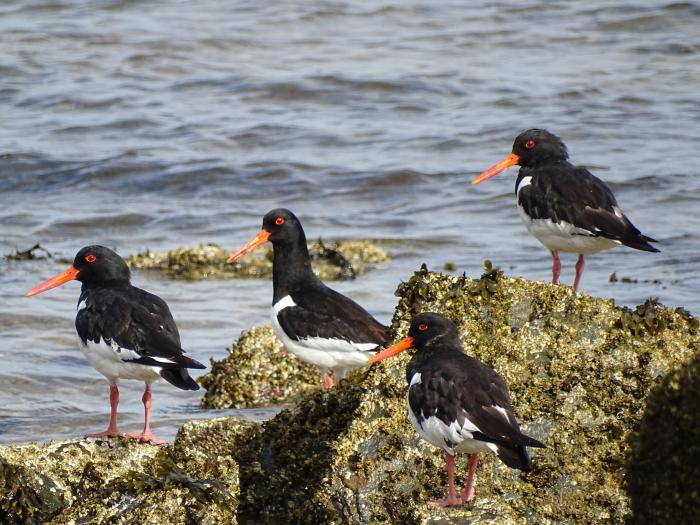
574, 195
322, 312
457, 387
137, 321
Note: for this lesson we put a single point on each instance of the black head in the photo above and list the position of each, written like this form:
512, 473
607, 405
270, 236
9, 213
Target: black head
282, 225
428, 333
93, 266
537, 146
429, 330
531, 148
99, 265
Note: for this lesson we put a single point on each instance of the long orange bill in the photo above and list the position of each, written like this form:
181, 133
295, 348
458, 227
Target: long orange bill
397, 348
70, 274
261, 238
510, 160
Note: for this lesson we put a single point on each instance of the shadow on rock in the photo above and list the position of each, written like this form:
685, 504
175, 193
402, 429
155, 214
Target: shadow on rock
664, 464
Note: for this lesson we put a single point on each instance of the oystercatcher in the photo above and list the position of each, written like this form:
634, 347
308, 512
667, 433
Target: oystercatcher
563, 206
316, 324
125, 332
457, 403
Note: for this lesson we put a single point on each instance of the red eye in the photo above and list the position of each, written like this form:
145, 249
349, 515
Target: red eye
90, 258
422, 327
279, 221
530, 144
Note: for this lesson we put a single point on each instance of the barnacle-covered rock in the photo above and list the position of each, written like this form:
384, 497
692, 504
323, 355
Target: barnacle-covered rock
332, 261
258, 371
121, 481
579, 379
612, 392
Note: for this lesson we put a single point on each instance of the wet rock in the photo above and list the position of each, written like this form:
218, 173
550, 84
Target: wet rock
120, 481
35, 252
332, 261
579, 375
257, 372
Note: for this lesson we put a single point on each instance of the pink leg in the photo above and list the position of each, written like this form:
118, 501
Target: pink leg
146, 435
327, 381
112, 430
468, 494
452, 498
580, 264
556, 267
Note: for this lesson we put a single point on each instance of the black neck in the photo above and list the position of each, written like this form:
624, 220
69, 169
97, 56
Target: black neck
291, 266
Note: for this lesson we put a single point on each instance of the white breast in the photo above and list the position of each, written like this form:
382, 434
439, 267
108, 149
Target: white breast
325, 353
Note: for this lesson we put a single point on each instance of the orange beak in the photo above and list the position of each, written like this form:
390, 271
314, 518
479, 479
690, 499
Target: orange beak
261, 238
397, 348
510, 160
70, 274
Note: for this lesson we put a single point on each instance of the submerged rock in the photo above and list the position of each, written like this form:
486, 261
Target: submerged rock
121, 481
579, 370
332, 261
257, 372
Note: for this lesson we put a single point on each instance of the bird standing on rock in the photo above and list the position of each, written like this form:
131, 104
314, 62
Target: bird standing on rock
457, 403
318, 325
563, 206
125, 332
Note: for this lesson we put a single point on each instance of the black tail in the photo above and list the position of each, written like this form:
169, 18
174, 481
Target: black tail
516, 456
187, 362
180, 378
641, 242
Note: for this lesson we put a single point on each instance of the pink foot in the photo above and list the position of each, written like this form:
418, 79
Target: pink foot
327, 381
147, 437
107, 433
450, 501
468, 494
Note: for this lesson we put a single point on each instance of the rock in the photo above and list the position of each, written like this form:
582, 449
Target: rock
662, 471
602, 386
257, 372
332, 261
580, 371
121, 481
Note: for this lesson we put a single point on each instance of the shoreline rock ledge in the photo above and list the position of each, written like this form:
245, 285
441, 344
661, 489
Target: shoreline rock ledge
588, 378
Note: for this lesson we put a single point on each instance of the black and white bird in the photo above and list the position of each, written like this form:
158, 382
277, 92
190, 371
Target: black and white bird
563, 206
125, 332
318, 325
457, 403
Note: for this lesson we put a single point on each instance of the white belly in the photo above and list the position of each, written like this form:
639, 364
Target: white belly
107, 360
437, 433
564, 237
327, 354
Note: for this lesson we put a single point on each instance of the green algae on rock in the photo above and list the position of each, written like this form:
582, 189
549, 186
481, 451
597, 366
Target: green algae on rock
579, 381
332, 261
121, 481
257, 372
